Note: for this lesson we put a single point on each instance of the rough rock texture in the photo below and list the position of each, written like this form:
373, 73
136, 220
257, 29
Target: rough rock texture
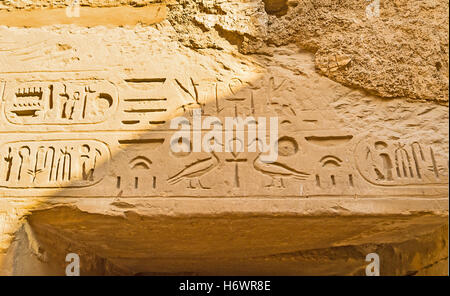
85, 158
401, 53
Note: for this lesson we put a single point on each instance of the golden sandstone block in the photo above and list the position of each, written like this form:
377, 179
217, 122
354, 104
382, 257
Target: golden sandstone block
261, 137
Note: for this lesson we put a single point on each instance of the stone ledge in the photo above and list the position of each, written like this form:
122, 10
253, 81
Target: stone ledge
256, 206
89, 16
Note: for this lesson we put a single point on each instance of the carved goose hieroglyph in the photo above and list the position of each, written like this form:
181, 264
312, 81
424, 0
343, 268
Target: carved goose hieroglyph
277, 171
195, 170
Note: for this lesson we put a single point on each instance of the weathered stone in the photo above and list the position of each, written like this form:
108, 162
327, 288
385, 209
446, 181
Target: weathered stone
87, 158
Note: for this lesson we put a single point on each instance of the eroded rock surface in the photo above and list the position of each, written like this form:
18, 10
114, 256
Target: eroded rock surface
86, 140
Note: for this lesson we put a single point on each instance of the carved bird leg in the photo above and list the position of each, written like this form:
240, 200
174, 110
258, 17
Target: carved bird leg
201, 185
190, 186
272, 183
278, 182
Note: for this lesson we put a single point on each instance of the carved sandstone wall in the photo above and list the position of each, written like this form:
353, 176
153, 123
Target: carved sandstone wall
85, 158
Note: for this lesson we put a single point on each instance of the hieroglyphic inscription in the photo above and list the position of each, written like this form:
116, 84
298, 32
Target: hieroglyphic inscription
314, 158
71, 102
398, 163
47, 164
